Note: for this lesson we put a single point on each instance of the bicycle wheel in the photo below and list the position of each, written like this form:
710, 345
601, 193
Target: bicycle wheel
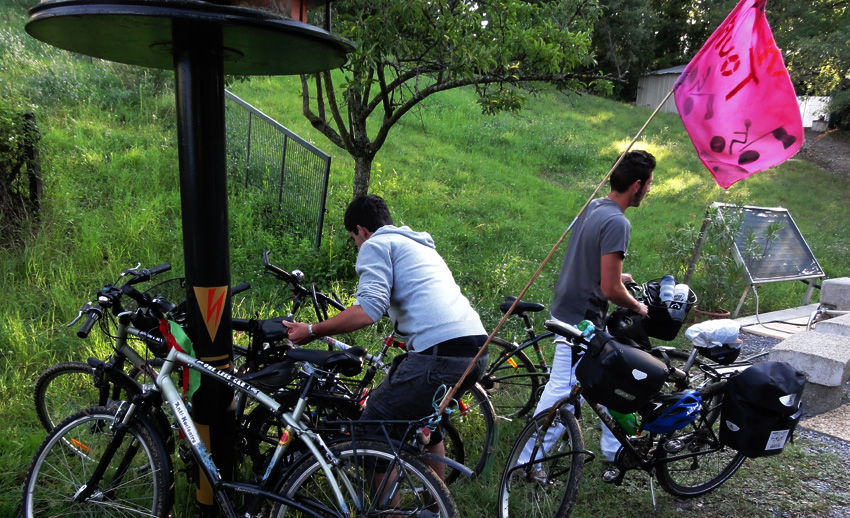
698, 463
475, 422
66, 388
137, 482
374, 482
548, 485
512, 380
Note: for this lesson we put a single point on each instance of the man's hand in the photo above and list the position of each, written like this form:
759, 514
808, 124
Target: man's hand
298, 333
643, 310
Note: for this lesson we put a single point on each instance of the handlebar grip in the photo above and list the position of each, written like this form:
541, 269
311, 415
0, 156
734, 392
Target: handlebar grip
87, 326
239, 288
147, 273
156, 270
561, 329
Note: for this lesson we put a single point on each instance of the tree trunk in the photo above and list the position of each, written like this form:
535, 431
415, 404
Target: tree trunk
362, 171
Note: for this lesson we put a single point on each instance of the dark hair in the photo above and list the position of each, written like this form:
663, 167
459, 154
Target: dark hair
370, 212
636, 165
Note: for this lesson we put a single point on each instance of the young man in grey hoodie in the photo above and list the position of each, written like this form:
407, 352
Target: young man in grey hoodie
402, 276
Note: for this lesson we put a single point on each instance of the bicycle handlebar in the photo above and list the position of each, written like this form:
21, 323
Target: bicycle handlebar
295, 279
92, 316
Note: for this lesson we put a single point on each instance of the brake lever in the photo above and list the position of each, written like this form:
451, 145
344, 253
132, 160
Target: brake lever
132, 271
82, 311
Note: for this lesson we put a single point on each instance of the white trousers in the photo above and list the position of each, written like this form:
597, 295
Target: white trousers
560, 384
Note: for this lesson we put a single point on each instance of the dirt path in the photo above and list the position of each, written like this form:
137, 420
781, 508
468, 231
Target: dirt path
829, 151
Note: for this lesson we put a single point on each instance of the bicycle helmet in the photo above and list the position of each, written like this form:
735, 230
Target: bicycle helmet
670, 412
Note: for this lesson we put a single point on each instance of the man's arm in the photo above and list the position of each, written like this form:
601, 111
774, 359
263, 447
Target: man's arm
612, 285
350, 319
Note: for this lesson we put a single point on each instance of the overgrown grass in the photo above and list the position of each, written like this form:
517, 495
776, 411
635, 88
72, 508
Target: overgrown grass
495, 192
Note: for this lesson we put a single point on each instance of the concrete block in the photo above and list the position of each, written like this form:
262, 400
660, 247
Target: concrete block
835, 326
818, 398
836, 293
824, 358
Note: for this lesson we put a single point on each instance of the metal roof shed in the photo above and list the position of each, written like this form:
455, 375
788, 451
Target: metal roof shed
654, 86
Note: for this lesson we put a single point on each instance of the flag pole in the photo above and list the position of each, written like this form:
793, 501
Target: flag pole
451, 393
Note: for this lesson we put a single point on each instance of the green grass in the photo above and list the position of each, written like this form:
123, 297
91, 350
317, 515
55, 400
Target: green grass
495, 192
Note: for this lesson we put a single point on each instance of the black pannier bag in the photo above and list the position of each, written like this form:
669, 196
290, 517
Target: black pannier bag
761, 408
659, 324
618, 376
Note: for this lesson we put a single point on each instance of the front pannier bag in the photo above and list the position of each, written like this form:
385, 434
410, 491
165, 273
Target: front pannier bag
761, 408
618, 376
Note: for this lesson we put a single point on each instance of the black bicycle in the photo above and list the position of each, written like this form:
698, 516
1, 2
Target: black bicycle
546, 463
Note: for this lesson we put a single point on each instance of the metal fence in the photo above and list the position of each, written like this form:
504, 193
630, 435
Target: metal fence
266, 156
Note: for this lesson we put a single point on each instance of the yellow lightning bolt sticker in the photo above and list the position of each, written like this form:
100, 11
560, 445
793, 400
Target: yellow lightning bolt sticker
211, 302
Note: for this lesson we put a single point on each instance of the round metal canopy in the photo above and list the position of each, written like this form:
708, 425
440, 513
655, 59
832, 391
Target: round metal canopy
139, 32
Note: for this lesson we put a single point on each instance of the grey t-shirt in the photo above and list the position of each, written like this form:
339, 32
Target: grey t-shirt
602, 229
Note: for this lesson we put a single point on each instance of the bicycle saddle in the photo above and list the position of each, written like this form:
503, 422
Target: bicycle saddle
273, 377
347, 363
521, 307
269, 330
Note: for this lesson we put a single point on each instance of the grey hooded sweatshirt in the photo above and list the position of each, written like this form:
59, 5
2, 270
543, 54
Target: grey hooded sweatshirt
403, 276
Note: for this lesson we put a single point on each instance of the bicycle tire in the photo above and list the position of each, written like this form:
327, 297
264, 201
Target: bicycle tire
514, 388
417, 486
703, 463
546, 487
475, 422
65, 389
68, 455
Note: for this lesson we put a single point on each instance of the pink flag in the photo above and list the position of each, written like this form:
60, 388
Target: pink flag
736, 99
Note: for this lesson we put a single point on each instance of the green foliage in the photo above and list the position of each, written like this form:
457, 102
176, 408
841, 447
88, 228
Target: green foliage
409, 50
717, 279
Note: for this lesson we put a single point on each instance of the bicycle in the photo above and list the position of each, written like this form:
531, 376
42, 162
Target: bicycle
687, 461
116, 458
513, 381
67, 387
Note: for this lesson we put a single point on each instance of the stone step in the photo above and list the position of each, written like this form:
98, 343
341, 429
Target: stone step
836, 293
835, 326
825, 358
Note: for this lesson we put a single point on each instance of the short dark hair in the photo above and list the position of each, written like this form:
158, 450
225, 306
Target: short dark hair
636, 165
370, 212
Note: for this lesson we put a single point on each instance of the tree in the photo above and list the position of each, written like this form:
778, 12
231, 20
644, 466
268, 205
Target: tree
408, 50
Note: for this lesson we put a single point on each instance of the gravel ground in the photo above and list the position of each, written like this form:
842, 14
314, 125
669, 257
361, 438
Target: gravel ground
755, 344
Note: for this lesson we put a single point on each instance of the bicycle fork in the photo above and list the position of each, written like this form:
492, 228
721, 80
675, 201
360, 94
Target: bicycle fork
89, 490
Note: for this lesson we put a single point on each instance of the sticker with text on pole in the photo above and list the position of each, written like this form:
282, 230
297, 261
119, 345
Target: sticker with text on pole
211, 302
736, 99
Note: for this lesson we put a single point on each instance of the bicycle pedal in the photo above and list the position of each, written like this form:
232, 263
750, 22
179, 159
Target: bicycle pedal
674, 446
612, 476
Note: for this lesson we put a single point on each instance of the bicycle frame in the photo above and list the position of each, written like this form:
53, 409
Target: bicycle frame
166, 386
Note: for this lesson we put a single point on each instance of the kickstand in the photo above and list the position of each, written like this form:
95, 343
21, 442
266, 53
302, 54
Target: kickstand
652, 492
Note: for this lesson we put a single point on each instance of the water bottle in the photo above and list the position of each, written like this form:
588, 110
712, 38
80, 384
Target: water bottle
681, 293
629, 422
668, 286
587, 329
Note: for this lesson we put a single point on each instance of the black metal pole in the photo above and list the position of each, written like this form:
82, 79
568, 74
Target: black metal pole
199, 85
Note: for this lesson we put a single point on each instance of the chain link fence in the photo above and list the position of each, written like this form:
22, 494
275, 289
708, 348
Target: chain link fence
267, 157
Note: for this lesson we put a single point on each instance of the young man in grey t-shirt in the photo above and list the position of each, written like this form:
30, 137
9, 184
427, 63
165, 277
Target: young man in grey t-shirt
592, 273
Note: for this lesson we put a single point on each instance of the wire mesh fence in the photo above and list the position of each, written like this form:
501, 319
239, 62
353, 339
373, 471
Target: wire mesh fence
267, 157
